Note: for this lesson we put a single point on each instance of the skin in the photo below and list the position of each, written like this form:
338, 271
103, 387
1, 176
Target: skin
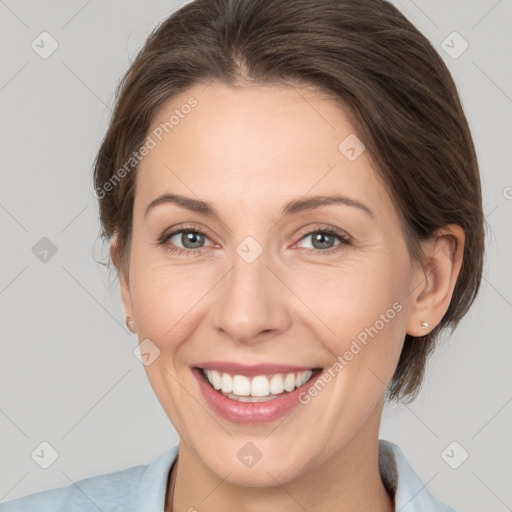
248, 151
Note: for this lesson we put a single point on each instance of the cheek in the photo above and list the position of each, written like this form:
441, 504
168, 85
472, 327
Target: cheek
166, 298
359, 299
353, 299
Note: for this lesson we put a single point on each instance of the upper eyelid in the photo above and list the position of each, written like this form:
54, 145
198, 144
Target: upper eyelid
320, 228
187, 227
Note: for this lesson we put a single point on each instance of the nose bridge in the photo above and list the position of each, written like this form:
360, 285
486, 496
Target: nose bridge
250, 302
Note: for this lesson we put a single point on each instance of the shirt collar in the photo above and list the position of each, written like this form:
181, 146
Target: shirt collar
411, 495
153, 483
399, 478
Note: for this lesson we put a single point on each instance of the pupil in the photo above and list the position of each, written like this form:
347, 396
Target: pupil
321, 237
194, 238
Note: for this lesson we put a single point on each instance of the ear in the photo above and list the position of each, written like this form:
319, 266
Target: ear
124, 283
435, 279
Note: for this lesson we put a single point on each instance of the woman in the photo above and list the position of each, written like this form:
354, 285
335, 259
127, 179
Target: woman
293, 201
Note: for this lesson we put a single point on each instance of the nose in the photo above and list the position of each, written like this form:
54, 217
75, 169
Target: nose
251, 305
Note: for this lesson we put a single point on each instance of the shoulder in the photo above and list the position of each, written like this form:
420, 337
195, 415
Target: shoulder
411, 494
101, 492
117, 491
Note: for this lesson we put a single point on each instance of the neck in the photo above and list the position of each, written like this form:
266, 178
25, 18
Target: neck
349, 480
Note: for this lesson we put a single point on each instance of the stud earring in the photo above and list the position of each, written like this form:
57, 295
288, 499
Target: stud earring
130, 324
425, 324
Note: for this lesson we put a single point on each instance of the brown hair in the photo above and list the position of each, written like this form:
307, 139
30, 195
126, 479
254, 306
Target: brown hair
365, 54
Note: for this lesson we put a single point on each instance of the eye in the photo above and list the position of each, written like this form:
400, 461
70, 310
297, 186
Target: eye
323, 240
190, 240
186, 240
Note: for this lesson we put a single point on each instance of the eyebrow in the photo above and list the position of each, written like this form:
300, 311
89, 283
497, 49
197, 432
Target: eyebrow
293, 207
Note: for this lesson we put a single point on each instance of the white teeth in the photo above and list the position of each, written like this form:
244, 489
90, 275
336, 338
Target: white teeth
260, 386
215, 379
247, 390
276, 384
305, 377
241, 385
250, 398
289, 382
227, 383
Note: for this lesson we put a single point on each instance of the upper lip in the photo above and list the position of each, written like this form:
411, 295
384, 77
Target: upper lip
252, 370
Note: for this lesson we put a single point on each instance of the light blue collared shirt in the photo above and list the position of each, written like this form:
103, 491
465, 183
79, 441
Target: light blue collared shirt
143, 488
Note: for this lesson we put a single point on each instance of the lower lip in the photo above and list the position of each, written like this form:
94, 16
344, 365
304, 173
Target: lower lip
250, 412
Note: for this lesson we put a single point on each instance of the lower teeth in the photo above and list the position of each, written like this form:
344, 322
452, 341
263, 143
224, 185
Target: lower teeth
250, 398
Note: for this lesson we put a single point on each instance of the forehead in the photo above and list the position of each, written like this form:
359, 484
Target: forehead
255, 145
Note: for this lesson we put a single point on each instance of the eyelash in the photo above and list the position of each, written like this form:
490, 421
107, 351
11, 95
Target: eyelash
344, 240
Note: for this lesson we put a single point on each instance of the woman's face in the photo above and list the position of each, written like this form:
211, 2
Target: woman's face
257, 289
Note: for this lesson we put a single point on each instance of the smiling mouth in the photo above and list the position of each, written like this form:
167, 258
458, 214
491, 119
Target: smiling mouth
259, 388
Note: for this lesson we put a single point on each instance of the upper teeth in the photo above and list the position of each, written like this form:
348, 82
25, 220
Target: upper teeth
260, 385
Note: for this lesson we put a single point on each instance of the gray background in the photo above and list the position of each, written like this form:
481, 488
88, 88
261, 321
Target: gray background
68, 373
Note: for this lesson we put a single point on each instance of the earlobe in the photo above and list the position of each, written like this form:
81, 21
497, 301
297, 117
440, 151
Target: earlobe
436, 280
